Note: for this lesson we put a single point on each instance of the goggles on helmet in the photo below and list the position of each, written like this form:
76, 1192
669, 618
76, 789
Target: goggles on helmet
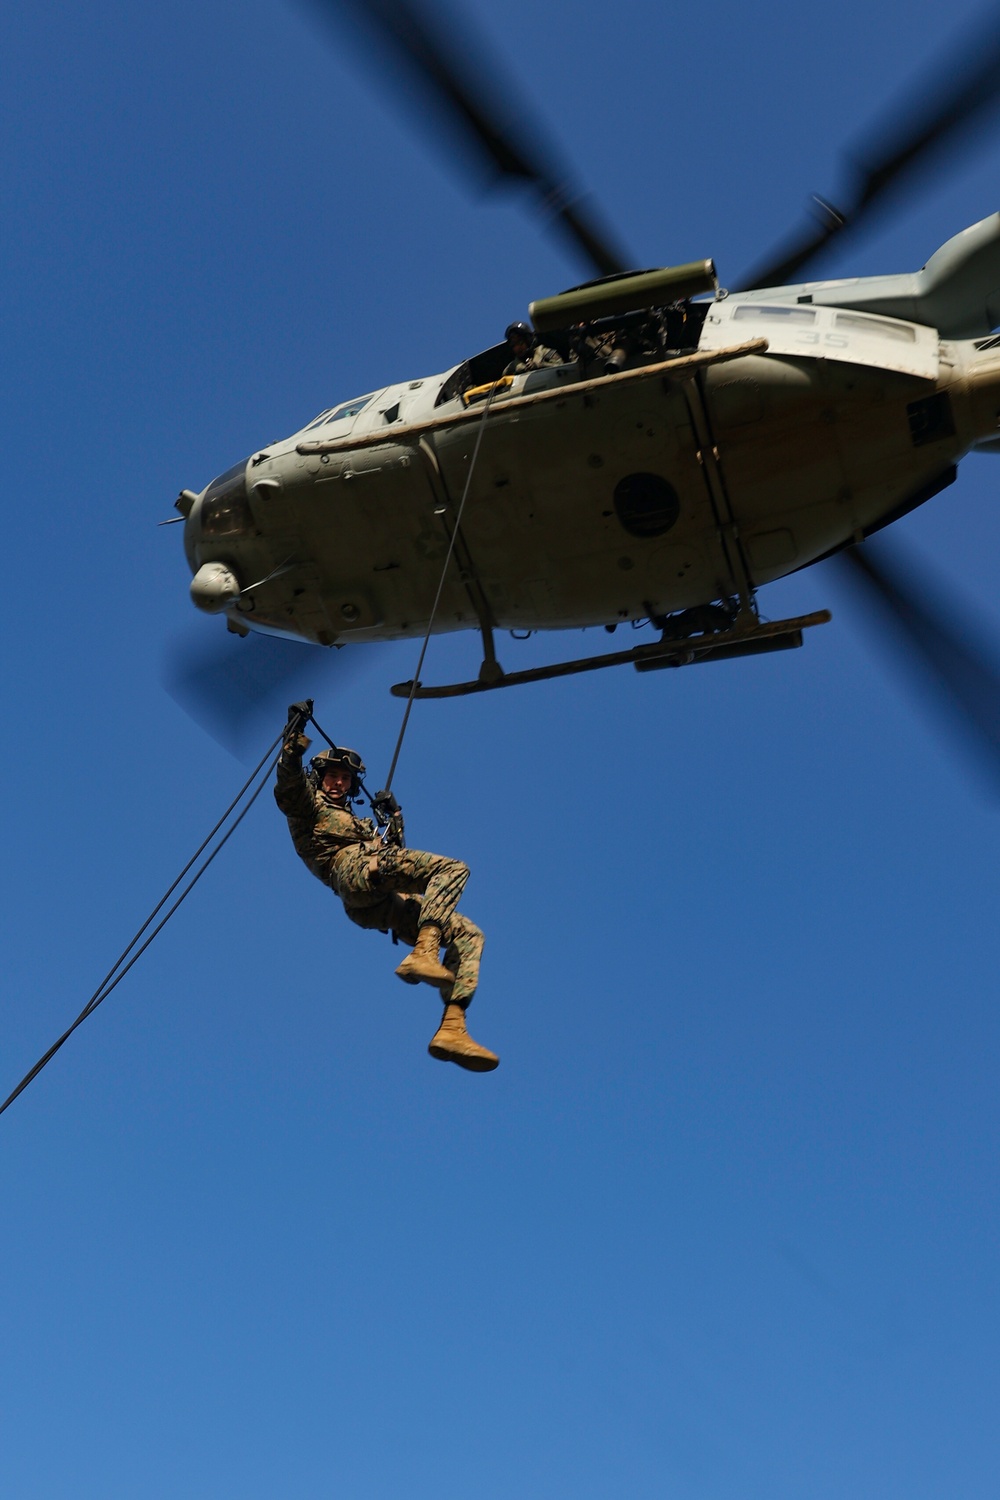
339, 757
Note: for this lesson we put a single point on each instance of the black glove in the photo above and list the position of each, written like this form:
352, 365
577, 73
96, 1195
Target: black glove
295, 742
384, 806
299, 715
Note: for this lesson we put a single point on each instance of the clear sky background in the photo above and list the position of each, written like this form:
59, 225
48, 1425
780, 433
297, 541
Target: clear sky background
724, 1223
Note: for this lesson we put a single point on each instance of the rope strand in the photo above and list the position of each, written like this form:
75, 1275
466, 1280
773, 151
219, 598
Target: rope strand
437, 597
113, 976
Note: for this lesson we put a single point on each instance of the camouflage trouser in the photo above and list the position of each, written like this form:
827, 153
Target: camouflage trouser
407, 889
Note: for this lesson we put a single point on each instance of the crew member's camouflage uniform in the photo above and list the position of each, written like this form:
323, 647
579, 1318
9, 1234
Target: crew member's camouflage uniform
535, 359
383, 886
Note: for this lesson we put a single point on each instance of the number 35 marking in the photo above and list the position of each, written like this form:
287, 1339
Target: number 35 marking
831, 340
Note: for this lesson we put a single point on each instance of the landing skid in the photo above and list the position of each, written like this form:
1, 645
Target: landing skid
741, 640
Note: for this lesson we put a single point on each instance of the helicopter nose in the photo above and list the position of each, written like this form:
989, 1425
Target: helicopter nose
214, 587
216, 524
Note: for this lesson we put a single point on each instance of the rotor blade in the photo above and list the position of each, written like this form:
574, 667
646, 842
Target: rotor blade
955, 659
491, 114
925, 130
233, 685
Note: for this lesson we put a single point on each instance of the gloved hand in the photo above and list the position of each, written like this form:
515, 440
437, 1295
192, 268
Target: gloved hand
299, 715
384, 806
295, 741
295, 746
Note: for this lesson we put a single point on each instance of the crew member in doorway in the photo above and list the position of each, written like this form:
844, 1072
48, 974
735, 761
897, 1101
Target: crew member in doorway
528, 353
384, 885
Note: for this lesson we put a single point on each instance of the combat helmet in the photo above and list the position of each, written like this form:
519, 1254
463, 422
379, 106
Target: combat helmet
520, 331
340, 755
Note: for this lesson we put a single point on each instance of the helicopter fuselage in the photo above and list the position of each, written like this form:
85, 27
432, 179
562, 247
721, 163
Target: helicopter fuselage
680, 482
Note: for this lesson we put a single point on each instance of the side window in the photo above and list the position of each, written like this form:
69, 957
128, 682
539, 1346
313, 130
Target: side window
350, 408
784, 314
339, 413
324, 416
877, 327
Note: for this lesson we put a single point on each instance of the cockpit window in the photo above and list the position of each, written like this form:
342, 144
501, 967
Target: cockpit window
232, 476
225, 514
786, 314
224, 510
338, 413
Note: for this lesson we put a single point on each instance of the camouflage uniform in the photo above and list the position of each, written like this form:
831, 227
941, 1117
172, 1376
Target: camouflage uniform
383, 886
536, 359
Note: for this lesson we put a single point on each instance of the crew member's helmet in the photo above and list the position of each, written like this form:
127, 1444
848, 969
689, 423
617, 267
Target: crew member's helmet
341, 756
521, 332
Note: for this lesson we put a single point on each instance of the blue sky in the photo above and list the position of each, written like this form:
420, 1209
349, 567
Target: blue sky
724, 1223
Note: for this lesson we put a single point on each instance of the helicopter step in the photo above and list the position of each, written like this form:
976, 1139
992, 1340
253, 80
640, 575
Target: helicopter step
741, 640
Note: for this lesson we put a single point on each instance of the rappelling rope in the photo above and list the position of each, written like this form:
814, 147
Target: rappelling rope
117, 973
481, 428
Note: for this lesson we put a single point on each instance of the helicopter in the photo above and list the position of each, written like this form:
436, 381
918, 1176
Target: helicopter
685, 446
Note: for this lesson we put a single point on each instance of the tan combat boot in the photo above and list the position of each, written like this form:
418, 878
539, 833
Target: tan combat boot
452, 1043
423, 963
